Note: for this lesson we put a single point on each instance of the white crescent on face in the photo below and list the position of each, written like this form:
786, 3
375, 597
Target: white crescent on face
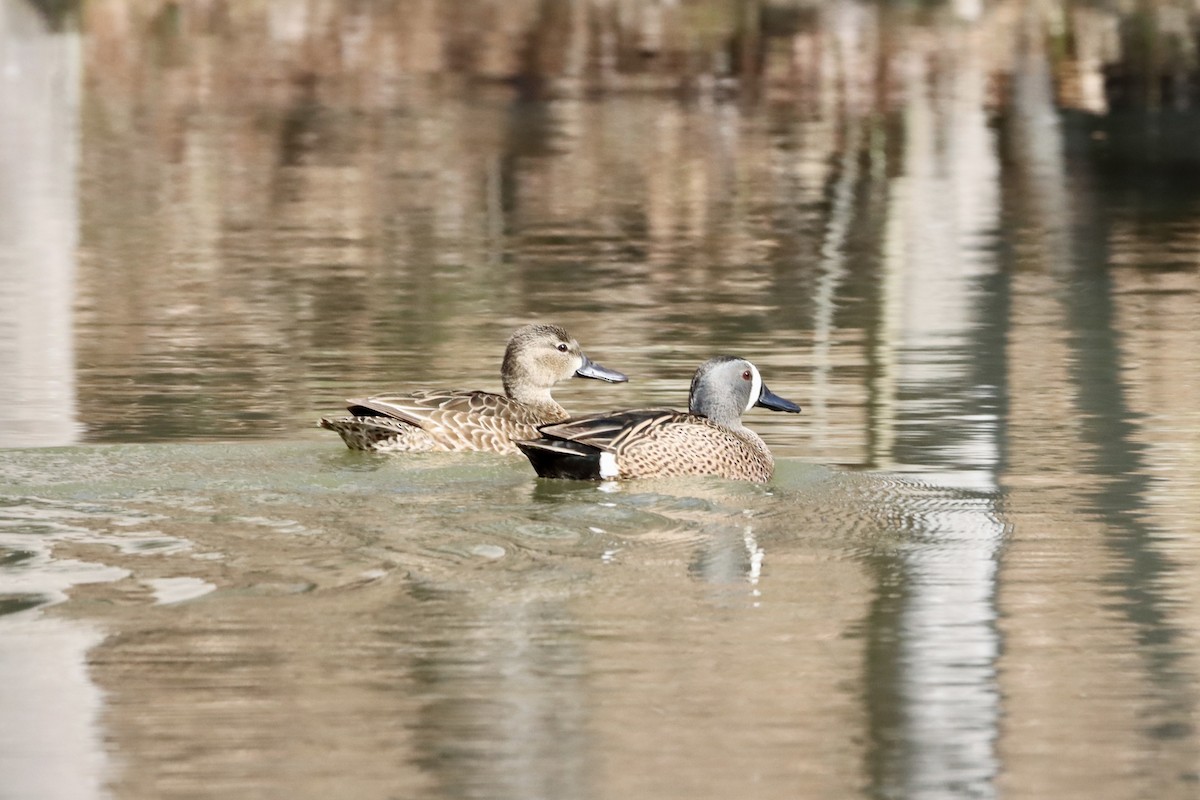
755, 386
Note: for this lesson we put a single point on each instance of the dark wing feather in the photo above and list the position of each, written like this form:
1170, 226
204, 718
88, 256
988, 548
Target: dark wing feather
607, 431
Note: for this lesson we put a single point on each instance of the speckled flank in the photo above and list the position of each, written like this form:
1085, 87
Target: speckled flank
537, 357
440, 421
710, 439
662, 442
690, 445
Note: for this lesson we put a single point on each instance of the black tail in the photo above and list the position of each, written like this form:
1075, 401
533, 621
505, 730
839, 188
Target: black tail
559, 458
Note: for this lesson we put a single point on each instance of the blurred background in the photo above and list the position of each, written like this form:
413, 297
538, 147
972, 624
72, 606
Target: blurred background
224, 218
963, 235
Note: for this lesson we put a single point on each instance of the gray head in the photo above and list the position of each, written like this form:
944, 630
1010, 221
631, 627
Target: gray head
725, 387
539, 356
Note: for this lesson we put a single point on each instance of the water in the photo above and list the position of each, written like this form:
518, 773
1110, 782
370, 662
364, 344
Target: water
973, 575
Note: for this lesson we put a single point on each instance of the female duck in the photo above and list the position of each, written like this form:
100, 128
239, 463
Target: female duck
710, 440
537, 357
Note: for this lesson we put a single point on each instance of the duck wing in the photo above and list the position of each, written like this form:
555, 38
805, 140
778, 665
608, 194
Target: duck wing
417, 408
609, 431
457, 419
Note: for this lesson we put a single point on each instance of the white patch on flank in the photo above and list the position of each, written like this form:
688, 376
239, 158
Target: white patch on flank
755, 386
608, 466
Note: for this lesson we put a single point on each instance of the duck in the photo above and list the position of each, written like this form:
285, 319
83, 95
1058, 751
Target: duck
536, 358
709, 439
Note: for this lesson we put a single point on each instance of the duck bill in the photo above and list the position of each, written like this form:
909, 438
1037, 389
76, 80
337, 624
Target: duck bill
768, 399
590, 369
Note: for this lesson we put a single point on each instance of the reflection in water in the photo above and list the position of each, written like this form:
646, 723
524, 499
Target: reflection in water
931, 656
986, 304
39, 226
50, 743
526, 735
1070, 340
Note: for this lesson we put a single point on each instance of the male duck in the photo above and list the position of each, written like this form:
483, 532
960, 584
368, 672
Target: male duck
710, 440
537, 357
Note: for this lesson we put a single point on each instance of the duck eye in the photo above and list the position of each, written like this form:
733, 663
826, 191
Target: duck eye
562, 347
746, 375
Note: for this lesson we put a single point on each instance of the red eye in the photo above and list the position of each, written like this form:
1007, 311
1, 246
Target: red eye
746, 375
